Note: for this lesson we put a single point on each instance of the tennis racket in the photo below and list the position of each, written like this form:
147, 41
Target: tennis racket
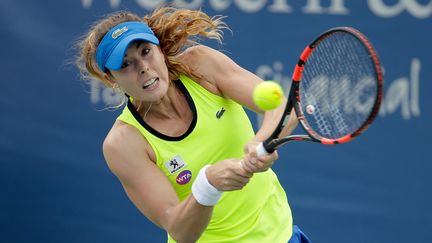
336, 90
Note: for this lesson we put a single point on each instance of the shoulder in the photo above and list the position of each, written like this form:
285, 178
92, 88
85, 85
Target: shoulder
196, 55
209, 65
123, 145
119, 132
209, 62
200, 61
197, 51
223, 74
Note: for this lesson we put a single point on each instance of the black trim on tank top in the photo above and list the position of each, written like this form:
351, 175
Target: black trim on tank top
191, 104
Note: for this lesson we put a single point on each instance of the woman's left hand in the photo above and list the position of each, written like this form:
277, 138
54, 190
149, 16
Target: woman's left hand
252, 163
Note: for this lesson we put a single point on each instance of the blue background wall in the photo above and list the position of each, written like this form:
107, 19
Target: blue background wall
56, 187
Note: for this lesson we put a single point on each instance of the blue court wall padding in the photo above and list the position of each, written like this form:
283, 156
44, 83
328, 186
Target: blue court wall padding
57, 187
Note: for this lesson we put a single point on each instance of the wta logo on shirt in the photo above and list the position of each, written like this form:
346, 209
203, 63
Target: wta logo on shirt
184, 177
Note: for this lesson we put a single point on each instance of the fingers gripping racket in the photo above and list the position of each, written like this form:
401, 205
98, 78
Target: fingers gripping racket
336, 90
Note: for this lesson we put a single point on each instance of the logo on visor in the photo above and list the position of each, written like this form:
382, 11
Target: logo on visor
119, 32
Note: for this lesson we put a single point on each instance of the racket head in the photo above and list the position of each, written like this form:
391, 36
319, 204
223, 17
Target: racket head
337, 86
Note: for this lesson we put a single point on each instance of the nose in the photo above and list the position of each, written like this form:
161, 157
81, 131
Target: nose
143, 68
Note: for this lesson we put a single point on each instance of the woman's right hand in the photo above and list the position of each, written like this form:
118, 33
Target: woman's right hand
228, 175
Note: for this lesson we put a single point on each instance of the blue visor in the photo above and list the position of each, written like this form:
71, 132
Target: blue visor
112, 48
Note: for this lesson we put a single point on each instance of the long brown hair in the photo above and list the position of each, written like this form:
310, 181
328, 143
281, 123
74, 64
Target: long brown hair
176, 30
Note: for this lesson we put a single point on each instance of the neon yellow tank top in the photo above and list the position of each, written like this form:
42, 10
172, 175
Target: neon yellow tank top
257, 213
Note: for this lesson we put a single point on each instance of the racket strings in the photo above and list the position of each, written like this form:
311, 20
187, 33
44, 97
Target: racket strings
339, 81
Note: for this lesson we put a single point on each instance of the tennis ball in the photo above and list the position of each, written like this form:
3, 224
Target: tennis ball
268, 95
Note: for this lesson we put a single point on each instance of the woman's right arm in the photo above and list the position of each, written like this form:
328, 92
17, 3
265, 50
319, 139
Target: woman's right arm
151, 192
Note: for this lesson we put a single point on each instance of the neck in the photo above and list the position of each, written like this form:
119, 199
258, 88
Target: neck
172, 106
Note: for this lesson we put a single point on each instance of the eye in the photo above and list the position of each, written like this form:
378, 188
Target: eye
125, 64
145, 51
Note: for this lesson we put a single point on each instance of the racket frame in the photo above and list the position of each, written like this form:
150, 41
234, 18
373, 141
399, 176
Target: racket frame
274, 141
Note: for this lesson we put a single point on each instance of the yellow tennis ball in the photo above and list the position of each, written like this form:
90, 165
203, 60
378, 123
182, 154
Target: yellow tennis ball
268, 95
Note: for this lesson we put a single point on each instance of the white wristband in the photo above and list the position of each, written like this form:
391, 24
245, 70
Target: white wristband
203, 191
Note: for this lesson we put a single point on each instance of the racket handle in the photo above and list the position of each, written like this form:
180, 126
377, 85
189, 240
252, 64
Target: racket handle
261, 150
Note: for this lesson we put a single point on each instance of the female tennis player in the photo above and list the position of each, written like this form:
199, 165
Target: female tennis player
183, 147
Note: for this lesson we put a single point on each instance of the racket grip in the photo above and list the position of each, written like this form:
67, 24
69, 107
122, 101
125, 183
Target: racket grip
260, 149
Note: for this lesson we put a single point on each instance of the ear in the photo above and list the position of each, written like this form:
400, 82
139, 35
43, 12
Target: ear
109, 78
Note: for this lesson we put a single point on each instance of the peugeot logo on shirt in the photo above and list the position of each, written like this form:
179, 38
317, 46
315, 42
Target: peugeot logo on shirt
175, 164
